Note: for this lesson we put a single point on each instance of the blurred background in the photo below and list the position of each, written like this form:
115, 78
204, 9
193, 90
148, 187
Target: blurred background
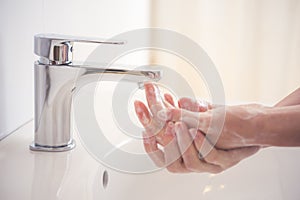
255, 45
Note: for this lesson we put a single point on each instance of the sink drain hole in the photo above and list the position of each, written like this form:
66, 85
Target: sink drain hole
104, 179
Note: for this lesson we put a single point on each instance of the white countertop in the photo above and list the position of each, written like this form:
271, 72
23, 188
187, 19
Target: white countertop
271, 174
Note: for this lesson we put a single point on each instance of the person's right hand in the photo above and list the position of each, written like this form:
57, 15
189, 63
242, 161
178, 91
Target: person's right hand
228, 126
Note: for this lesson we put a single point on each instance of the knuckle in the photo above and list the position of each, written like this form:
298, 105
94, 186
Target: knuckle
199, 139
212, 157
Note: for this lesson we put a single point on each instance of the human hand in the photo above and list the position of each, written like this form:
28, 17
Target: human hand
181, 145
240, 127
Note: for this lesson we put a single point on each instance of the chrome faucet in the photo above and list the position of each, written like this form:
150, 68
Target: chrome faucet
54, 76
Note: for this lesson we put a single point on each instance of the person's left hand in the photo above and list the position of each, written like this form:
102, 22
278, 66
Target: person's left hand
181, 145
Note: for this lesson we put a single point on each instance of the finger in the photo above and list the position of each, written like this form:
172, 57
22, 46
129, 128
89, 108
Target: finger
151, 147
142, 112
203, 146
189, 153
172, 153
152, 127
154, 99
234, 156
193, 105
225, 159
191, 119
169, 100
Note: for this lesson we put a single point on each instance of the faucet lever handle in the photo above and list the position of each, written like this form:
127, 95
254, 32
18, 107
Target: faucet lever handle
57, 49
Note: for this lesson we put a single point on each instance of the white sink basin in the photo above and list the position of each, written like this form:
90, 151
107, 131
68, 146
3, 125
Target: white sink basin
24, 174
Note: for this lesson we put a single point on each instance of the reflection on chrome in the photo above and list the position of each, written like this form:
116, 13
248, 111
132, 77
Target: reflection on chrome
57, 78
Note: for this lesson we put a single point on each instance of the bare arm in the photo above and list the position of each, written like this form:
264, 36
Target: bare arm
279, 126
246, 125
290, 100
280, 116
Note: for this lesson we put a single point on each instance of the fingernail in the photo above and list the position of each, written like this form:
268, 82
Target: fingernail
146, 84
137, 106
178, 126
149, 87
144, 119
170, 129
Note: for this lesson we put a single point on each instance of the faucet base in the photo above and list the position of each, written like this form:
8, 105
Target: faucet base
36, 147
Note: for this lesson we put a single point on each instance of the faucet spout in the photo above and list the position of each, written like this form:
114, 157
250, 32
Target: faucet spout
114, 74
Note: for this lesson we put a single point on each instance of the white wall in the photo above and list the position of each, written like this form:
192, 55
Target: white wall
20, 20
254, 44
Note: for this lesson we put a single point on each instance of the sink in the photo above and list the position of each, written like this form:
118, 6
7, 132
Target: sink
270, 174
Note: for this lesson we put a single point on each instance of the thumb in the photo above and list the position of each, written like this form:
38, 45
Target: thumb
191, 119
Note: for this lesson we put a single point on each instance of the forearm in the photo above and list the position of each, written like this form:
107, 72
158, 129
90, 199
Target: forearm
290, 100
279, 126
